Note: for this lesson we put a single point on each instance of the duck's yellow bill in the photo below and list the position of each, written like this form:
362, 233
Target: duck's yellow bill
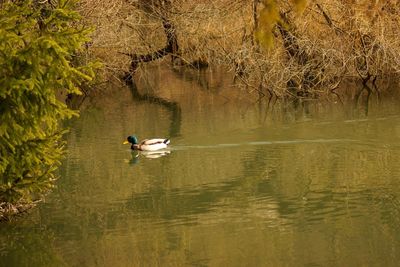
125, 142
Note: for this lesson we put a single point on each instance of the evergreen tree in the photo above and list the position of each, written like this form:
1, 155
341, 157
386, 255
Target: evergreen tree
39, 43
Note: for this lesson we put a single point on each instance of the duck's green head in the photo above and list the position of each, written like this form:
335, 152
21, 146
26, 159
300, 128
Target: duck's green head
131, 139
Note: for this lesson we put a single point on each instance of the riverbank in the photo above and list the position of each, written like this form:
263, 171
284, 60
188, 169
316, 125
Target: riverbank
314, 53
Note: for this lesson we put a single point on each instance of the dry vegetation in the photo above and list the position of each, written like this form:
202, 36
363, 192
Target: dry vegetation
313, 53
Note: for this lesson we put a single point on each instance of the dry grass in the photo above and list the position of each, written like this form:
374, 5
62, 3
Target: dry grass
340, 39
9, 211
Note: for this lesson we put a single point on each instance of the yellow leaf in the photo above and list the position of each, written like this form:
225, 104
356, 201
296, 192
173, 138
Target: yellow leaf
300, 5
269, 17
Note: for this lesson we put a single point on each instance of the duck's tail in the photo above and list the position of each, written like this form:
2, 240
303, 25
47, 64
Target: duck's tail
166, 141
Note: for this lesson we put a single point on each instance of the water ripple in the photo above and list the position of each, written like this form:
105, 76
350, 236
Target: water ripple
258, 143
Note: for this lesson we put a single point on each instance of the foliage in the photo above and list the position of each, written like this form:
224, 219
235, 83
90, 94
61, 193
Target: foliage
270, 16
39, 42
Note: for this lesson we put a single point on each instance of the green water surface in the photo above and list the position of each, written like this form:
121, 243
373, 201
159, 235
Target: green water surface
243, 184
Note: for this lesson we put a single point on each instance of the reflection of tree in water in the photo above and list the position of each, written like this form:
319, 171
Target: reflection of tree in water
184, 203
29, 245
264, 185
200, 77
173, 107
366, 100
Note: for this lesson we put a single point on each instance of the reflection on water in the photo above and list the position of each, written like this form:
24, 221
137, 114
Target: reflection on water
148, 154
240, 185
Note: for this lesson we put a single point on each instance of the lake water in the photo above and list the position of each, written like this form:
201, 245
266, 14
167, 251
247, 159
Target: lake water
243, 183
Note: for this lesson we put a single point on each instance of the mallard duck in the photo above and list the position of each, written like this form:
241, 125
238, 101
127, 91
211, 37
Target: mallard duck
147, 144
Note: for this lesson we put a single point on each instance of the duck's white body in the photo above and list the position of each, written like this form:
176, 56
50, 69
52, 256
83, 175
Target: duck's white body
151, 144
